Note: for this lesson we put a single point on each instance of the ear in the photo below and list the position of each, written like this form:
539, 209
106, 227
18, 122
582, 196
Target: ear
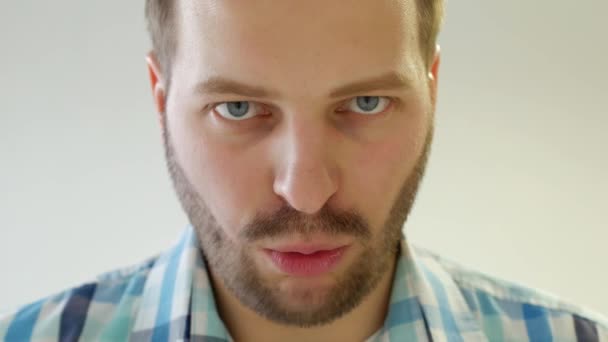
433, 75
158, 86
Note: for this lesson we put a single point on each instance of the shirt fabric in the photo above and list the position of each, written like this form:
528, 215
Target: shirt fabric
170, 298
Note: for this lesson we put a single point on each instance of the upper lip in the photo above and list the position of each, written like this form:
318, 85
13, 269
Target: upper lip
306, 248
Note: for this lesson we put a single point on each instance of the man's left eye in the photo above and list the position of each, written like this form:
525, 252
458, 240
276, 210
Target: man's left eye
368, 104
238, 110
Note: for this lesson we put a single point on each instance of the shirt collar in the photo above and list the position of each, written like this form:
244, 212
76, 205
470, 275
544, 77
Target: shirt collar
178, 302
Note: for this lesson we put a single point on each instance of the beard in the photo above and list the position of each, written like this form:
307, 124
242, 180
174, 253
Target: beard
231, 262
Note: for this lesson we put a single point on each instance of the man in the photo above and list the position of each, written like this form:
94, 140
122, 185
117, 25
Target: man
296, 136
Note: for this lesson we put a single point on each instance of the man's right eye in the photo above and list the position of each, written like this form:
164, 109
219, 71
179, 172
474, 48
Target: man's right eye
238, 110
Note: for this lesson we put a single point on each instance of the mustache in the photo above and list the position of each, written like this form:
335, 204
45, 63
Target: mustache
288, 221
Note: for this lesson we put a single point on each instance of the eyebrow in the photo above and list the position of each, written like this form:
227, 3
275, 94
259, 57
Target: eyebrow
388, 81
224, 86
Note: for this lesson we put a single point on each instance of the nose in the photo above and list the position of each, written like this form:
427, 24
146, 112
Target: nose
306, 172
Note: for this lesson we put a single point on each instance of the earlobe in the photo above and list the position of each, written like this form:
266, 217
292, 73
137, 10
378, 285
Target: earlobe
158, 88
433, 74
434, 69
156, 81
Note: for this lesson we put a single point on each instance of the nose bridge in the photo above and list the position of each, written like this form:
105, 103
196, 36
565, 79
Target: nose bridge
305, 173
305, 140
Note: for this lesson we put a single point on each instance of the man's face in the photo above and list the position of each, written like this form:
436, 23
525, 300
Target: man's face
297, 127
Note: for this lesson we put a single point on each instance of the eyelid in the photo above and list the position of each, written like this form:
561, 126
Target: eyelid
391, 103
342, 108
254, 106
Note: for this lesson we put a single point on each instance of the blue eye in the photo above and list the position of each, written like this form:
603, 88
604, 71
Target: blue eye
368, 104
237, 110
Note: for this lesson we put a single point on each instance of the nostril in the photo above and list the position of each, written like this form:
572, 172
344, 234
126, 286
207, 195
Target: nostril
306, 198
305, 182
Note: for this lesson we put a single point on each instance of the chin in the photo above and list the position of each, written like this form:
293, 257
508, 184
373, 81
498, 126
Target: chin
303, 295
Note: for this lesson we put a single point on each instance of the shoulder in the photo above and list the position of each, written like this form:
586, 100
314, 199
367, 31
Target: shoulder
101, 309
508, 310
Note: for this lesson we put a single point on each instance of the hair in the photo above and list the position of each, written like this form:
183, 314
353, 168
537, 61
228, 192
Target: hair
162, 27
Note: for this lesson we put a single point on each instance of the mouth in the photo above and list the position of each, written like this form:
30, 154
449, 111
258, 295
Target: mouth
306, 260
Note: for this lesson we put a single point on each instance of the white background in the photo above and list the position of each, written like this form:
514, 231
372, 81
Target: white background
516, 186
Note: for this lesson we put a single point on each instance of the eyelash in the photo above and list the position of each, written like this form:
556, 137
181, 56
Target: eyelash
389, 106
392, 102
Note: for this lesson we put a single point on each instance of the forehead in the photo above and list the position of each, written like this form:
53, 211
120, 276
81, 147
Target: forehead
297, 45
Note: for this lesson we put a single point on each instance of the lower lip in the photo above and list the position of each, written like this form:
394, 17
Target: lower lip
306, 265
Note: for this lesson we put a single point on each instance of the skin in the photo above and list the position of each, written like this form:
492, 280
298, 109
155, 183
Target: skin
307, 166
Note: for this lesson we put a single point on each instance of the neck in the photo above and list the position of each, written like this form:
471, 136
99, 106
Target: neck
363, 321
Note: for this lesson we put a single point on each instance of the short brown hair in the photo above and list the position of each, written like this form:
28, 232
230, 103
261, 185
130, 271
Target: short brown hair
161, 22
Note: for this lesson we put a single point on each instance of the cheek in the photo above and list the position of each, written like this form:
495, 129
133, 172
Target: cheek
381, 169
228, 179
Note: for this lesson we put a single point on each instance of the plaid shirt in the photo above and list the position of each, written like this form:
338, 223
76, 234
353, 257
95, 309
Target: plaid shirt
170, 298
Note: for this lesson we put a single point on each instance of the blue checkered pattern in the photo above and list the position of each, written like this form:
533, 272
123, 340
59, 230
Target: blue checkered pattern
170, 298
